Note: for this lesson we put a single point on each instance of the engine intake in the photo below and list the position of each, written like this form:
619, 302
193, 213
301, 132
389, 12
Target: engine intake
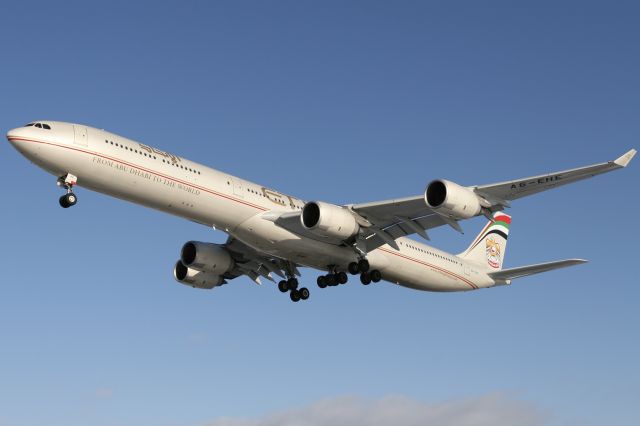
328, 220
206, 257
452, 199
195, 278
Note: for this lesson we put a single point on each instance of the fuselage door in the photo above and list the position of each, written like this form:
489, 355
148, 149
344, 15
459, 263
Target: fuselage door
238, 187
81, 137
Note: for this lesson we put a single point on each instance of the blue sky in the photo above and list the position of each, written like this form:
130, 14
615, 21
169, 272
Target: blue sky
342, 102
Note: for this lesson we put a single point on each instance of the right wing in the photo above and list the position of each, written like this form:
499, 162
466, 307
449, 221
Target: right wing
523, 271
256, 264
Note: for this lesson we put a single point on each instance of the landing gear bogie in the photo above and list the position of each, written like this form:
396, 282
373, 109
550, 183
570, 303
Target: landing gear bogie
292, 283
369, 277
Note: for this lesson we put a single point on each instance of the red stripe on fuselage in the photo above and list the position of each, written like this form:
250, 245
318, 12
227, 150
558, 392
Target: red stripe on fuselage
210, 191
446, 271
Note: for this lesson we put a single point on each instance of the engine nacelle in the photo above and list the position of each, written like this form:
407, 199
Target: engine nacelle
329, 220
452, 199
206, 257
195, 278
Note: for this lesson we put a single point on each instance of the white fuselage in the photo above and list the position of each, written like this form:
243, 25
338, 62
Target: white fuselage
135, 172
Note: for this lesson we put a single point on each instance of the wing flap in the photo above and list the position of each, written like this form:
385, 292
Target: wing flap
523, 271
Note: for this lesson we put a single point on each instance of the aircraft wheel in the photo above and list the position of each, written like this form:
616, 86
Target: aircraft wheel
294, 295
376, 276
292, 283
363, 265
365, 278
304, 293
283, 286
68, 200
353, 268
330, 279
322, 281
342, 277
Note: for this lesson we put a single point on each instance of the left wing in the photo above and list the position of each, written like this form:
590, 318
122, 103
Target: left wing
411, 215
443, 203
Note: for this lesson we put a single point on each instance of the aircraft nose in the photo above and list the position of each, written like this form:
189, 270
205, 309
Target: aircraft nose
14, 134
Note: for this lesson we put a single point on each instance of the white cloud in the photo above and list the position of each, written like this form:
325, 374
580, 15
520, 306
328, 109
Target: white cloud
488, 410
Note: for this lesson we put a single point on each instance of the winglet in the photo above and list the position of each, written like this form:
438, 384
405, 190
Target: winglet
625, 159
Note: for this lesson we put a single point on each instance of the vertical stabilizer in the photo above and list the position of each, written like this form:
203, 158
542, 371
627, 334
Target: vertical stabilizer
489, 247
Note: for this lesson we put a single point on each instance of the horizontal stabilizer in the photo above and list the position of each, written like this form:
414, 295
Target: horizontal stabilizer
523, 271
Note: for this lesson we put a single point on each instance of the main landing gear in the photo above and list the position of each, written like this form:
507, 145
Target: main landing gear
333, 279
362, 267
367, 275
67, 182
291, 286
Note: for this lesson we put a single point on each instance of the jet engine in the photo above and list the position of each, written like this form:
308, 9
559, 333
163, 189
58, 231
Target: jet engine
195, 278
452, 200
206, 257
329, 220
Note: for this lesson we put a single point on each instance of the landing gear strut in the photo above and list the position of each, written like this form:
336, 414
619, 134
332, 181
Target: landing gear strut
67, 182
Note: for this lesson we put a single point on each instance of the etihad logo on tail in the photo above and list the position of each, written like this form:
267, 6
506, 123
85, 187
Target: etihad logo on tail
493, 252
499, 226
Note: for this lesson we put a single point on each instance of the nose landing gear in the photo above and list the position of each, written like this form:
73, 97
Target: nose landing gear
67, 182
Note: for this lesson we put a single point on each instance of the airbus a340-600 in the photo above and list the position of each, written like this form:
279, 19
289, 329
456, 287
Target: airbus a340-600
273, 234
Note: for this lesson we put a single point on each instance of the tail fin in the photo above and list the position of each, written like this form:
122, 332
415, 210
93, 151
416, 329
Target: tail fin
490, 245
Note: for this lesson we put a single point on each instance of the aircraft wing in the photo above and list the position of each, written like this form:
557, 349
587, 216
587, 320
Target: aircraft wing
519, 188
391, 219
523, 271
255, 264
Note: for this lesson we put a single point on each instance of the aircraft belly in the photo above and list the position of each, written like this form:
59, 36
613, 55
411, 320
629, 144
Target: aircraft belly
421, 275
266, 236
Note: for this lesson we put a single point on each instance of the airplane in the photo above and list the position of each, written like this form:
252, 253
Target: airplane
271, 233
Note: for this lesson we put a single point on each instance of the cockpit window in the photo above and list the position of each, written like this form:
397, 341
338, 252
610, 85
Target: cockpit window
39, 125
